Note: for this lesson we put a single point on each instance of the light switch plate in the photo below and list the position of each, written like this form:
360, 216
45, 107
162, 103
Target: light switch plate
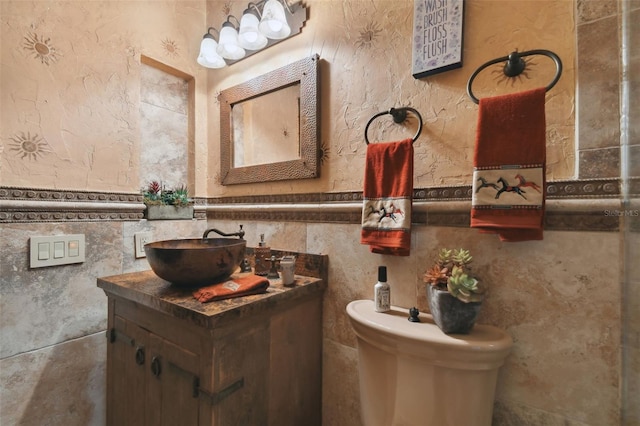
140, 239
54, 250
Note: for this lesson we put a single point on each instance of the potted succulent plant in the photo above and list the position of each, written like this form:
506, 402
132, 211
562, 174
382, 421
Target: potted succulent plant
163, 203
455, 295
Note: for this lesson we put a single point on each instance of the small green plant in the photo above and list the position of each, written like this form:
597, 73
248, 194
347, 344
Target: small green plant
463, 286
155, 194
452, 272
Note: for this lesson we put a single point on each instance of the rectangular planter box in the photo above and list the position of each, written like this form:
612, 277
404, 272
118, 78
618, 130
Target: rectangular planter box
169, 212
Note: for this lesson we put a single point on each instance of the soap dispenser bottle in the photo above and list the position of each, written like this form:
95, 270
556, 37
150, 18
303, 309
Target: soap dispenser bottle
382, 291
263, 257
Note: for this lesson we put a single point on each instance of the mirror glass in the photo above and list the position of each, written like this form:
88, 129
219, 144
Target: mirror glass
271, 120
269, 126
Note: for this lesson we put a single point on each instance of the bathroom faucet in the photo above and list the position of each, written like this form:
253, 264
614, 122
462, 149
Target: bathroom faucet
239, 234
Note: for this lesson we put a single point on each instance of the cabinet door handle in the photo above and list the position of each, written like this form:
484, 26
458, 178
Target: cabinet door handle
156, 366
140, 355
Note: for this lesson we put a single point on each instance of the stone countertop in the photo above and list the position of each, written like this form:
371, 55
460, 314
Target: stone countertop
147, 289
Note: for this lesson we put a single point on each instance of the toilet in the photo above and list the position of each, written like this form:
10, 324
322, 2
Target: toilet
412, 374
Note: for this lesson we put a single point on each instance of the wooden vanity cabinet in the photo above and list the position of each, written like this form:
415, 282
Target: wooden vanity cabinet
260, 367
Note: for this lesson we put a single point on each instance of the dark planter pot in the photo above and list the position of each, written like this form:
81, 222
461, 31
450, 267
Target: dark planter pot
452, 315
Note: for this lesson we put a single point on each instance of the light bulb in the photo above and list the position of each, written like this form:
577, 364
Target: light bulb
208, 56
274, 23
249, 36
228, 46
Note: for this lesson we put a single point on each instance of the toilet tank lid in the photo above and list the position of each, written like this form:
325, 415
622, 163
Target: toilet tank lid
394, 322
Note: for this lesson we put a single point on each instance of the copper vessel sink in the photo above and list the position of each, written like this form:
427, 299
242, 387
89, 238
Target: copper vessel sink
195, 262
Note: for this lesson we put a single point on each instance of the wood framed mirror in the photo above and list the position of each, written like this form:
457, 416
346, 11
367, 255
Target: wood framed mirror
269, 126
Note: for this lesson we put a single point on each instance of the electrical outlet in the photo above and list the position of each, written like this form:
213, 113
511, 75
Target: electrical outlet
140, 239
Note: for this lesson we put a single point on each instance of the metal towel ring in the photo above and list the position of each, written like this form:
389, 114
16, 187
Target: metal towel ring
399, 116
515, 65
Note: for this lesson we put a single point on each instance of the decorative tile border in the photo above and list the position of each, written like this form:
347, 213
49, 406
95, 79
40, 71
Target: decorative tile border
9, 193
571, 205
582, 218
19, 205
26, 215
590, 188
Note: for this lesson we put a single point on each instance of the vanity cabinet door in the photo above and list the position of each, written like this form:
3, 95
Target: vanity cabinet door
126, 373
242, 353
150, 380
172, 375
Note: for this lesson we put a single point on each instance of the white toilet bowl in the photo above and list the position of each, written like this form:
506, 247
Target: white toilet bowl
412, 374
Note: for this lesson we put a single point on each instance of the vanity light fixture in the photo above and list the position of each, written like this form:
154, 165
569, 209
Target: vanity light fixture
228, 45
209, 56
250, 36
274, 21
263, 24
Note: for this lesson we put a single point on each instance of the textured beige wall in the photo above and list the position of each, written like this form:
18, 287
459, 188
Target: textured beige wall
366, 48
70, 80
71, 87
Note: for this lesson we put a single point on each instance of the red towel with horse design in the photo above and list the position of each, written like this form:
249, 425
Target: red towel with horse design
387, 197
509, 166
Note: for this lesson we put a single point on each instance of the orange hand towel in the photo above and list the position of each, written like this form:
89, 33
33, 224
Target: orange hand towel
235, 287
509, 173
387, 197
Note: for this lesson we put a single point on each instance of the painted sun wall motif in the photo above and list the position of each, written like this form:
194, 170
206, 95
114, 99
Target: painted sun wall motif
41, 48
170, 47
23, 144
27, 146
70, 87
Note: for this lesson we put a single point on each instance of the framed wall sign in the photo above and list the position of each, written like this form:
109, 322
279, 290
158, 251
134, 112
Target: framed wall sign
437, 36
